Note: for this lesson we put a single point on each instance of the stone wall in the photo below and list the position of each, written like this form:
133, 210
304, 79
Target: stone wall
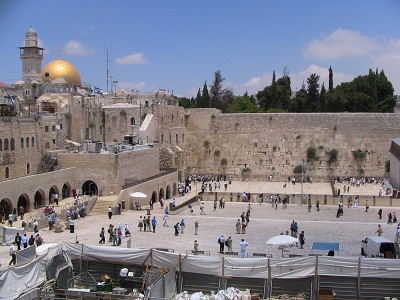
109, 171
273, 144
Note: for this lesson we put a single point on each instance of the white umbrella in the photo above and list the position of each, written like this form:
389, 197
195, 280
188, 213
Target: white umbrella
282, 240
138, 195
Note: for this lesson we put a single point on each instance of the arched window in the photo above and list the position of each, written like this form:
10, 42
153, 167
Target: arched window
22, 143
33, 142
28, 168
27, 142
7, 172
132, 121
5, 144
12, 144
1, 145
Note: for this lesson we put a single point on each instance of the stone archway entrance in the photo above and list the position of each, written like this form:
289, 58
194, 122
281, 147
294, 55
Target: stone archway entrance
39, 199
23, 201
154, 197
89, 188
66, 191
5, 209
53, 190
161, 194
168, 193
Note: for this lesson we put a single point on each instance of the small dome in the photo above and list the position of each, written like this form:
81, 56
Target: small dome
60, 68
31, 31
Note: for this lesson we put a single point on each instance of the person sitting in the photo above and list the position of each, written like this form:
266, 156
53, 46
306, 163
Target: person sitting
136, 206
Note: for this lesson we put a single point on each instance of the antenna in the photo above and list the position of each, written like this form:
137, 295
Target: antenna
107, 60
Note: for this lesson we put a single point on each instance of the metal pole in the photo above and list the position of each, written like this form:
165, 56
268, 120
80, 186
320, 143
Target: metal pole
303, 170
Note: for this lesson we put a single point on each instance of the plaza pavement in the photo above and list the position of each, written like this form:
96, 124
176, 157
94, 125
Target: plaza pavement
265, 222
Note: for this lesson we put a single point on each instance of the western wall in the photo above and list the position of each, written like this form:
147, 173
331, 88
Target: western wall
256, 146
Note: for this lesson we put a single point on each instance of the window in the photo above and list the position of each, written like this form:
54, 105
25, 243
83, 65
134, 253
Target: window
47, 145
46, 128
28, 168
27, 142
22, 143
54, 141
12, 144
7, 172
5, 144
183, 138
170, 139
33, 142
132, 121
61, 126
176, 138
54, 127
1, 145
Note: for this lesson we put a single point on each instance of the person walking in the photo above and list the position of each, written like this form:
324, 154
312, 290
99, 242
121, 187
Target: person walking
176, 227
24, 241
182, 226
379, 231
390, 218
71, 225
165, 218
109, 212
394, 217
215, 204
221, 242
13, 254
238, 226
202, 209
398, 234
317, 205
243, 248
196, 245
366, 206
154, 224
196, 227
102, 236
18, 241
380, 213
229, 243
302, 239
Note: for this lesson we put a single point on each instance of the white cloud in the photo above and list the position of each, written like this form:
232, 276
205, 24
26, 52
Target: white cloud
135, 58
74, 47
132, 85
341, 43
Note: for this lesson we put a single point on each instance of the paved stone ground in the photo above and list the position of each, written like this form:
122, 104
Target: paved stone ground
322, 226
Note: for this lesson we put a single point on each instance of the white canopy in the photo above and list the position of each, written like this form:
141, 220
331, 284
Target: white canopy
281, 240
138, 195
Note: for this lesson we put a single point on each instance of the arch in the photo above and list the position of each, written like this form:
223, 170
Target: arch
161, 194
174, 189
5, 144
28, 168
154, 196
133, 122
66, 190
39, 199
12, 144
89, 188
27, 142
168, 192
23, 200
22, 143
33, 142
53, 190
1, 145
7, 171
6, 205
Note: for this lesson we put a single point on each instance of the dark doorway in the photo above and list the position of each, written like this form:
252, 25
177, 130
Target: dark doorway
5, 205
39, 200
89, 188
161, 194
168, 193
23, 201
66, 191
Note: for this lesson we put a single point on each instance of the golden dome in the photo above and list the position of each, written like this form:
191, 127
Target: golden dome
60, 68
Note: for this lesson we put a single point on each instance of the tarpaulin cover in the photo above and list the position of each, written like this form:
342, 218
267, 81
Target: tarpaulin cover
325, 246
162, 259
337, 266
116, 254
9, 234
297, 267
26, 255
250, 267
202, 264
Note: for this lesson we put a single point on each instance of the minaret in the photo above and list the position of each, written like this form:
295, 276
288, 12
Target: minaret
31, 56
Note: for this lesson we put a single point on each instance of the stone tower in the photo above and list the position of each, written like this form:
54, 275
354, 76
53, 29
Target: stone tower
31, 56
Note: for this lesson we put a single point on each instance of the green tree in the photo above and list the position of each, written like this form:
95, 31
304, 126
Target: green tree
205, 97
198, 98
242, 104
322, 99
313, 104
298, 103
216, 89
330, 86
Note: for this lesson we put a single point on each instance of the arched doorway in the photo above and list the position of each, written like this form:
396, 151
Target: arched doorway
161, 194
39, 199
66, 190
168, 193
53, 190
174, 189
5, 204
23, 200
154, 197
89, 188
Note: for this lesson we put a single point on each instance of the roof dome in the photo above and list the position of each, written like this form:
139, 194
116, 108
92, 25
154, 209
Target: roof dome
60, 68
31, 31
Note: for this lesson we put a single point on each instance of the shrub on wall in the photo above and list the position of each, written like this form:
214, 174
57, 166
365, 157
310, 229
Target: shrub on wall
217, 153
246, 170
359, 155
311, 153
333, 156
224, 162
206, 143
298, 169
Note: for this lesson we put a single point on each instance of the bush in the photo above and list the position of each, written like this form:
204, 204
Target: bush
217, 153
246, 170
206, 143
224, 162
311, 153
333, 156
298, 169
359, 155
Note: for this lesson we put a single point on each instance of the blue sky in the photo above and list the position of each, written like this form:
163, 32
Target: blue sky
177, 45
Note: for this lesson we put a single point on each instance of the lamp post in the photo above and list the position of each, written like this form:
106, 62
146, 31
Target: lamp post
303, 171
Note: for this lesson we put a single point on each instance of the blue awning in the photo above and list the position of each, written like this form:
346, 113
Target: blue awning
325, 246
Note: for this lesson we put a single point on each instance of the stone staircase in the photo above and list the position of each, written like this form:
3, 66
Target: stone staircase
102, 204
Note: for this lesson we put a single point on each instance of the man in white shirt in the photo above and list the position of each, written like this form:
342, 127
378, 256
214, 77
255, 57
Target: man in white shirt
243, 248
13, 254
